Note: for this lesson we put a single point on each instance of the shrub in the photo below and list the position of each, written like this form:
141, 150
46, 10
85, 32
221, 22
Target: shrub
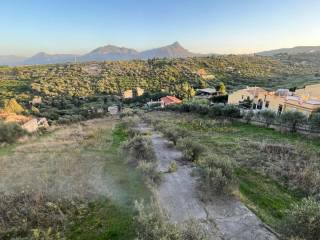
248, 116
216, 176
139, 148
10, 132
149, 170
216, 110
127, 112
173, 167
268, 117
191, 150
174, 133
153, 224
302, 220
12, 106
231, 111
293, 119
192, 230
315, 121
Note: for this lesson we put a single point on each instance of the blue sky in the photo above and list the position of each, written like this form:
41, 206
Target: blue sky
206, 26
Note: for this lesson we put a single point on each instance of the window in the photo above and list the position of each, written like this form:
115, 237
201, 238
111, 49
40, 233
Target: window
267, 104
280, 109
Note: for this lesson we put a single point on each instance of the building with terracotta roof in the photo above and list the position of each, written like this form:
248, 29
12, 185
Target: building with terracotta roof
169, 100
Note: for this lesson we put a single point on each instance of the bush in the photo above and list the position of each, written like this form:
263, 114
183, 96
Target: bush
154, 224
191, 150
231, 111
268, 117
216, 176
302, 220
139, 148
149, 170
216, 111
192, 230
293, 119
129, 124
173, 167
10, 132
174, 133
315, 121
12, 106
248, 116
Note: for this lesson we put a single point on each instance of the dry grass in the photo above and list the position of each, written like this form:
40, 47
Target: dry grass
59, 166
43, 182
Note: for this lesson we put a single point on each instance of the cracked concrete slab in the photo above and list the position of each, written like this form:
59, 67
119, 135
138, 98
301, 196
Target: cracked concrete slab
226, 218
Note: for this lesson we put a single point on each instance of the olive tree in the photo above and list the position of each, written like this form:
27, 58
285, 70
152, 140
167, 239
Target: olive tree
268, 117
292, 119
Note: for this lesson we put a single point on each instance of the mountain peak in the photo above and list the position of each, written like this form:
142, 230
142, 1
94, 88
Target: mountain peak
176, 44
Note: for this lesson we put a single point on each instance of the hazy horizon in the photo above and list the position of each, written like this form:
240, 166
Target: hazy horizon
207, 26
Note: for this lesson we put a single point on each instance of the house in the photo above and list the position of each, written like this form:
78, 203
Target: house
169, 100
203, 74
248, 93
132, 93
206, 92
310, 91
127, 94
306, 106
305, 100
260, 98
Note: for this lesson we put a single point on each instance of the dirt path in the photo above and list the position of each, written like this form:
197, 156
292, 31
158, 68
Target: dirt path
225, 218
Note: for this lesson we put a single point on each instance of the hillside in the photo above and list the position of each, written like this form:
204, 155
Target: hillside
105, 53
153, 75
291, 51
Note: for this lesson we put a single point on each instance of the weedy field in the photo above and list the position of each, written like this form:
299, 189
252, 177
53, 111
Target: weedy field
273, 169
71, 183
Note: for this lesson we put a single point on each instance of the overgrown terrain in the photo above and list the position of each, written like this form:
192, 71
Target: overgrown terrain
171, 75
71, 183
274, 170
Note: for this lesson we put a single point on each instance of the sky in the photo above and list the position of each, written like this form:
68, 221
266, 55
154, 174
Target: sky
202, 26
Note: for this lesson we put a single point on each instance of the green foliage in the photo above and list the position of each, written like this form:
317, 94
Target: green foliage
264, 196
248, 116
216, 176
315, 120
222, 89
174, 133
268, 117
303, 220
12, 106
173, 167
293, 119
140, 148
154, 224
10, 132
191, 149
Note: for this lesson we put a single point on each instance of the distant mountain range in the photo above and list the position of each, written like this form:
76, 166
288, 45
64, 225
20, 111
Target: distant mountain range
291, 51
104, 53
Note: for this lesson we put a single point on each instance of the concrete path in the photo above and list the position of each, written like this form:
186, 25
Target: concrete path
225, 218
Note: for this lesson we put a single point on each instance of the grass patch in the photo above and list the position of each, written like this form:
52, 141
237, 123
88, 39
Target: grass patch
103, 220
113, 218
264, 196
